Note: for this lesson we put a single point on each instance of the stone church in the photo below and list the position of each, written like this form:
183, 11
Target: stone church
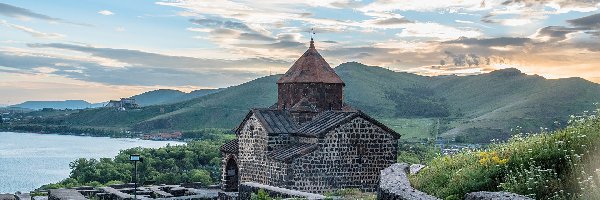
310, 140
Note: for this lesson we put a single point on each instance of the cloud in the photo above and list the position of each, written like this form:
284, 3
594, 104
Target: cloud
418, 5
143, 68
465, 59
22, 13
227, 30
491, 42
435, 30
392, 21
561, 6
17, 12
555, 33
105, 12
32, 32
589, 22
227, 24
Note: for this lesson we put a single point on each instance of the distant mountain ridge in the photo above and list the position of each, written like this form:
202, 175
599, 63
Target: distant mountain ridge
473, 108
67, 104
154, 97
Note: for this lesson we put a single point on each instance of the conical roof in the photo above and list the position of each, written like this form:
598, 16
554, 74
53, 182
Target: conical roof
310, 68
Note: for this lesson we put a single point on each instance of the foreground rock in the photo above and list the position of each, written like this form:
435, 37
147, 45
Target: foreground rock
7, 197
495, 196
394, 184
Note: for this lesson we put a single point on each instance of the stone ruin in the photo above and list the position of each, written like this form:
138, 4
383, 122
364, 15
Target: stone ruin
192, 191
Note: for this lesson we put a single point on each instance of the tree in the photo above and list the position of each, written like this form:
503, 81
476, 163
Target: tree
202, 176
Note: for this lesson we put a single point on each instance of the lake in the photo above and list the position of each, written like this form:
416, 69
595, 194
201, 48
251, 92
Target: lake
29, 160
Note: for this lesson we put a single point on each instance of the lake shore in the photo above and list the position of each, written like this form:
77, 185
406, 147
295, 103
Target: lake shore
30, 160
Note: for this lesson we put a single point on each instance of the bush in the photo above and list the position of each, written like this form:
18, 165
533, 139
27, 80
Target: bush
564, 164
197, 161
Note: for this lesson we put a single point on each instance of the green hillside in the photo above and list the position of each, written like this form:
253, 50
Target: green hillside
469, 108
167, 96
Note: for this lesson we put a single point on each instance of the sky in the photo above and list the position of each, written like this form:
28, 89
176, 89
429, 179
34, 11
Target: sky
96, 50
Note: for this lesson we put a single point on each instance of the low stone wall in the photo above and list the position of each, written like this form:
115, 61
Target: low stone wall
394, 184
495, 196
61, 194
247, 188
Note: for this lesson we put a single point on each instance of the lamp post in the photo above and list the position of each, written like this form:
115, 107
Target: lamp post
135, 158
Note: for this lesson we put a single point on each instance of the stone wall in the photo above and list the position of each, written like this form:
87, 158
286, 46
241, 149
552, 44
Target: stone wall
254, 165
229, 185
322, 96
246, 190
349, 156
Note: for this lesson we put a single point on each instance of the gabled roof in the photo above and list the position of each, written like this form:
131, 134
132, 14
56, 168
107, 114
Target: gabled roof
310, 68
231, 146
274, 121
293, 151
329, 120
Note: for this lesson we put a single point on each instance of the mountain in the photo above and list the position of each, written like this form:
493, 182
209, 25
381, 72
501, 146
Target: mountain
166, 96
67, 104
473, 108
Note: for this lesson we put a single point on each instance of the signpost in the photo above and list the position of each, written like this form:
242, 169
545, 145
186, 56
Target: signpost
135, 158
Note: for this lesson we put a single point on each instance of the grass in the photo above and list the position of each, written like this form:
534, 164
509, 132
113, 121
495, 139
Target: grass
562, 164
412, 130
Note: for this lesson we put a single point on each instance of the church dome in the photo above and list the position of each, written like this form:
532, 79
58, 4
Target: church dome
310, 68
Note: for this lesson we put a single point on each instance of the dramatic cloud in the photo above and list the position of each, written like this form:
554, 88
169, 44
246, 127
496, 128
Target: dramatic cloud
555, 33
589, 22
191, 43
142, 68
491, 42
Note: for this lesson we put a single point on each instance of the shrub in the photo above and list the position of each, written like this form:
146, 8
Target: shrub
564, 164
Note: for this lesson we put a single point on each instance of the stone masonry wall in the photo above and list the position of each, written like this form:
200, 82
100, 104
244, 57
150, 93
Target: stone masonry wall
254, 145
350, 156
226, 157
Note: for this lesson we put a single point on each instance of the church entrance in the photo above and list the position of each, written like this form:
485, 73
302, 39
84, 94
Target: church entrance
231, 176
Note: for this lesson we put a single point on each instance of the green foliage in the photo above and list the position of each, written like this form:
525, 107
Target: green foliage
563, 164
197, 161
261, 195
418, 102
417, 153
351, 194
414, 129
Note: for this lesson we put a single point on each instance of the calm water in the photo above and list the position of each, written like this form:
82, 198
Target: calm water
28, 160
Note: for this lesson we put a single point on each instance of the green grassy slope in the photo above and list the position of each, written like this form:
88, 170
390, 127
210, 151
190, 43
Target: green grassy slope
157, 96
481, 106
168, 96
